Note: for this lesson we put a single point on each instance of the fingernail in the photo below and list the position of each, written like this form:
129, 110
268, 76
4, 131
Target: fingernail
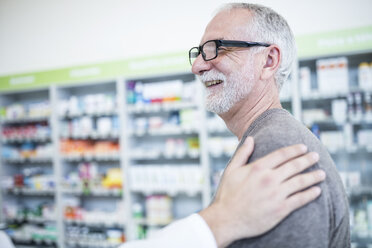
315, 156
321, 174
303, 147
317, 190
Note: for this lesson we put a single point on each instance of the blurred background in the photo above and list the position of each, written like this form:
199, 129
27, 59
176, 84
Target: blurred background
104, 134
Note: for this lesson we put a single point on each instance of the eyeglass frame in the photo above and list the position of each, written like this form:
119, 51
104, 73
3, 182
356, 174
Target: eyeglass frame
226, 43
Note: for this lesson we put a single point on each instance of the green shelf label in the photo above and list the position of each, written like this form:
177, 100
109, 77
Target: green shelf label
167, 63
336, 42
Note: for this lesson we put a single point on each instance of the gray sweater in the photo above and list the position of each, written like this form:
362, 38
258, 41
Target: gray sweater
322, 223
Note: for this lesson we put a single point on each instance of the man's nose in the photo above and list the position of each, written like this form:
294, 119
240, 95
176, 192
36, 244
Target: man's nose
200, 65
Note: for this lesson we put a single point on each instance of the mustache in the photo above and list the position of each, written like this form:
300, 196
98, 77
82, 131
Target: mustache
211, 75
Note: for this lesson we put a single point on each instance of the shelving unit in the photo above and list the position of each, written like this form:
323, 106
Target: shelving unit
165, 138
28, 184
92, 210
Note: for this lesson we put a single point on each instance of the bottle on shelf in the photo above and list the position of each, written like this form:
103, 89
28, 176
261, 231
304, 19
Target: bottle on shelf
365, 76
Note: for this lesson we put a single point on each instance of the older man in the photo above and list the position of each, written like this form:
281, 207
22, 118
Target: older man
246, 54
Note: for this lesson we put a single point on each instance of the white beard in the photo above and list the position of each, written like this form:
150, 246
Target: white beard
234, 89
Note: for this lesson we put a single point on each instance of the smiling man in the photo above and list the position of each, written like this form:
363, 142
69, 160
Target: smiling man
246, 54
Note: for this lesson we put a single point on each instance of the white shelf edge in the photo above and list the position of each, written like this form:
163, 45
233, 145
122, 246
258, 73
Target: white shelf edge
93, 114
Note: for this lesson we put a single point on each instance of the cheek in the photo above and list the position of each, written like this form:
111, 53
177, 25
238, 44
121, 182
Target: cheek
236, 67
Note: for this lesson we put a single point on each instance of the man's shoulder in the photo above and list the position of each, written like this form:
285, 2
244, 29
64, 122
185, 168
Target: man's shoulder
278, 128
278, 122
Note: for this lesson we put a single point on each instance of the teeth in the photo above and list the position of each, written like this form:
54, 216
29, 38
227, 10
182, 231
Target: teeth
214, 82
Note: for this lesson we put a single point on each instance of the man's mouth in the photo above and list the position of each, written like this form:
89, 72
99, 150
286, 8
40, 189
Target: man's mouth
213, 82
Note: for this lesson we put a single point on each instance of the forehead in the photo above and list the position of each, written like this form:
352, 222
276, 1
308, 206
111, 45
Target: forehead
229, 24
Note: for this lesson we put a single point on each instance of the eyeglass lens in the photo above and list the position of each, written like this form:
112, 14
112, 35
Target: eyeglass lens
193, 54
208, 51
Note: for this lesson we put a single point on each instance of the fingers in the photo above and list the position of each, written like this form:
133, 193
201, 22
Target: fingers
300, 199
302, 181
282, 155
297, 165
242, 154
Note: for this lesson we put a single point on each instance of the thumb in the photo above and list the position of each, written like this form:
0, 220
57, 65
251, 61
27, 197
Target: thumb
242, 154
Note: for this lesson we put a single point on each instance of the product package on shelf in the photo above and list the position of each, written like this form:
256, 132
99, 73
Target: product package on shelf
176, 122
305, 81
170, 148
222, 146
91, 104
20, 111
88, 149
158, 210
27, 150
32, 234
26, 132
30, 180
171, 179
44, 212
82, 236
88, 179
166, 95
87, 127
332, 75
365, 76
216, 124
155, 213
76, 214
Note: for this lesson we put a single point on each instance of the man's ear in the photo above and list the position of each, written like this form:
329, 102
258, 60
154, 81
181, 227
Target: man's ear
273, 57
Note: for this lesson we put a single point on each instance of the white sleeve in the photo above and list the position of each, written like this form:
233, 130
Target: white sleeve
5, 240
191, 231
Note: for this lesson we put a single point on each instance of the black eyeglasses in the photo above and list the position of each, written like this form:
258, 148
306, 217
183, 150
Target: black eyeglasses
209, 50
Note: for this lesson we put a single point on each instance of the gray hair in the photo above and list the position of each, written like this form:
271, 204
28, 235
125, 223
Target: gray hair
270, 27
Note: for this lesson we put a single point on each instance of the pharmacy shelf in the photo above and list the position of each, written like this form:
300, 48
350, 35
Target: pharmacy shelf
92, 136
26, 146
166, 131
31, 192
320, 96
37, 139
219, 131
357, 150
91, 244
359, 191
84, 109
227, 155
33, 243
285, 99
32, 160
30, 219
361, 241
103, 225
159, 107
113, 157
93, 192
145, 222
90, 114
331, 122
169, 192
160, 155
166, 126
26, 120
